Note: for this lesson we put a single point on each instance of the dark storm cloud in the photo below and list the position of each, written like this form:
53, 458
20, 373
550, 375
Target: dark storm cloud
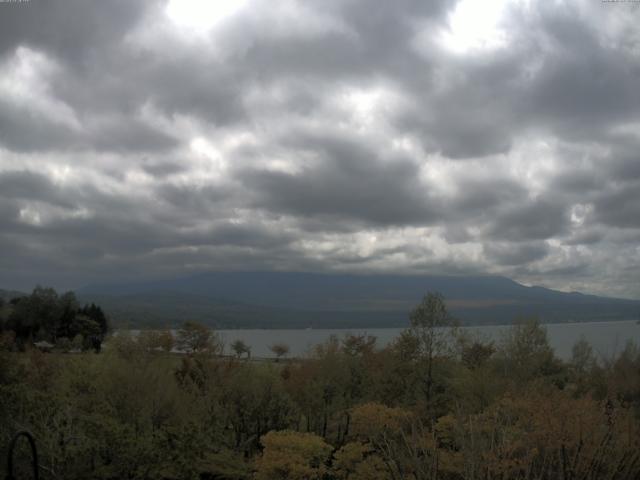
127, 237
585, 237
198, 200
577, 182
485, 194
209, 90
373, 42
583, 84
85, 41
476, 114
348, 180
623, 159
516, 254
26, 185
537, 220
320, 136
123, 135
620, 207
627, 167
163, 168
72, 30
31, 132
558, 75
25, 131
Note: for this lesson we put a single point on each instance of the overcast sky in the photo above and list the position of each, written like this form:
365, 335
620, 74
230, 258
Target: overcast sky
144, 139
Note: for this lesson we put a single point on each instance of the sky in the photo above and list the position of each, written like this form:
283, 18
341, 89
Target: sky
146, 139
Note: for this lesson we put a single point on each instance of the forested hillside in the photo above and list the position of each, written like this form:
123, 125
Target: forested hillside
435, 404
300, 300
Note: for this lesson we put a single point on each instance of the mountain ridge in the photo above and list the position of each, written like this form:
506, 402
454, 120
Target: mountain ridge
301, 299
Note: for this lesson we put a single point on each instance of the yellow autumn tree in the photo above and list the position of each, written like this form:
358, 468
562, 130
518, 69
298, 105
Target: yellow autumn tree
290, 455
359, 461
398, 439
372, 420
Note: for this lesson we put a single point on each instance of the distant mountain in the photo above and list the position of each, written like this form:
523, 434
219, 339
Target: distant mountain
9, 294
294, 300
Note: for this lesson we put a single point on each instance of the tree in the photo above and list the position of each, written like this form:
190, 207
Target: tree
359, 461
149, 340
582, 357
291, 455
40, 310
373, 421
476, 353
94, 312
358, 345
154, 341
7, 340
195, 337
433, 329
525, 352
240, 348
63, 344
3, 314
68, 311
280, 350
44, 315
78, 342
396, 437
166, 340
476, 385
89, 329
584, 370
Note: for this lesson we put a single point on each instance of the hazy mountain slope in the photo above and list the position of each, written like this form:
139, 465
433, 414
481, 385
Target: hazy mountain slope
268, 299
9, 294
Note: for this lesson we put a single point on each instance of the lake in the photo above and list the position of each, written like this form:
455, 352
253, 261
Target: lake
606, 338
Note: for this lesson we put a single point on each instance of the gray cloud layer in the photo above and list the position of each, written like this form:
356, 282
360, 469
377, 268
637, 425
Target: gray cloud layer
354, 135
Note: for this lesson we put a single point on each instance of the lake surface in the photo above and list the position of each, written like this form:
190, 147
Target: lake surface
606, 338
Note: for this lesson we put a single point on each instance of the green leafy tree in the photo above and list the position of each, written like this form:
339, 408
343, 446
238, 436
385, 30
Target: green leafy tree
582, 357
94, 312
475, 354
433, 330
44, 315
166, 340
279, 350
40, 310
68, 310
358, 345
525, 353
240, 348
78, 342
195, 337
149, 340
63, 344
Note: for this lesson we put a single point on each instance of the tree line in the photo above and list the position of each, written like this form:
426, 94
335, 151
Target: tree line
58, 320
434, 404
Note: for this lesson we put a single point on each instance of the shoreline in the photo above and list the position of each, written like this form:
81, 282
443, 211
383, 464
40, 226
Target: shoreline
348, 329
